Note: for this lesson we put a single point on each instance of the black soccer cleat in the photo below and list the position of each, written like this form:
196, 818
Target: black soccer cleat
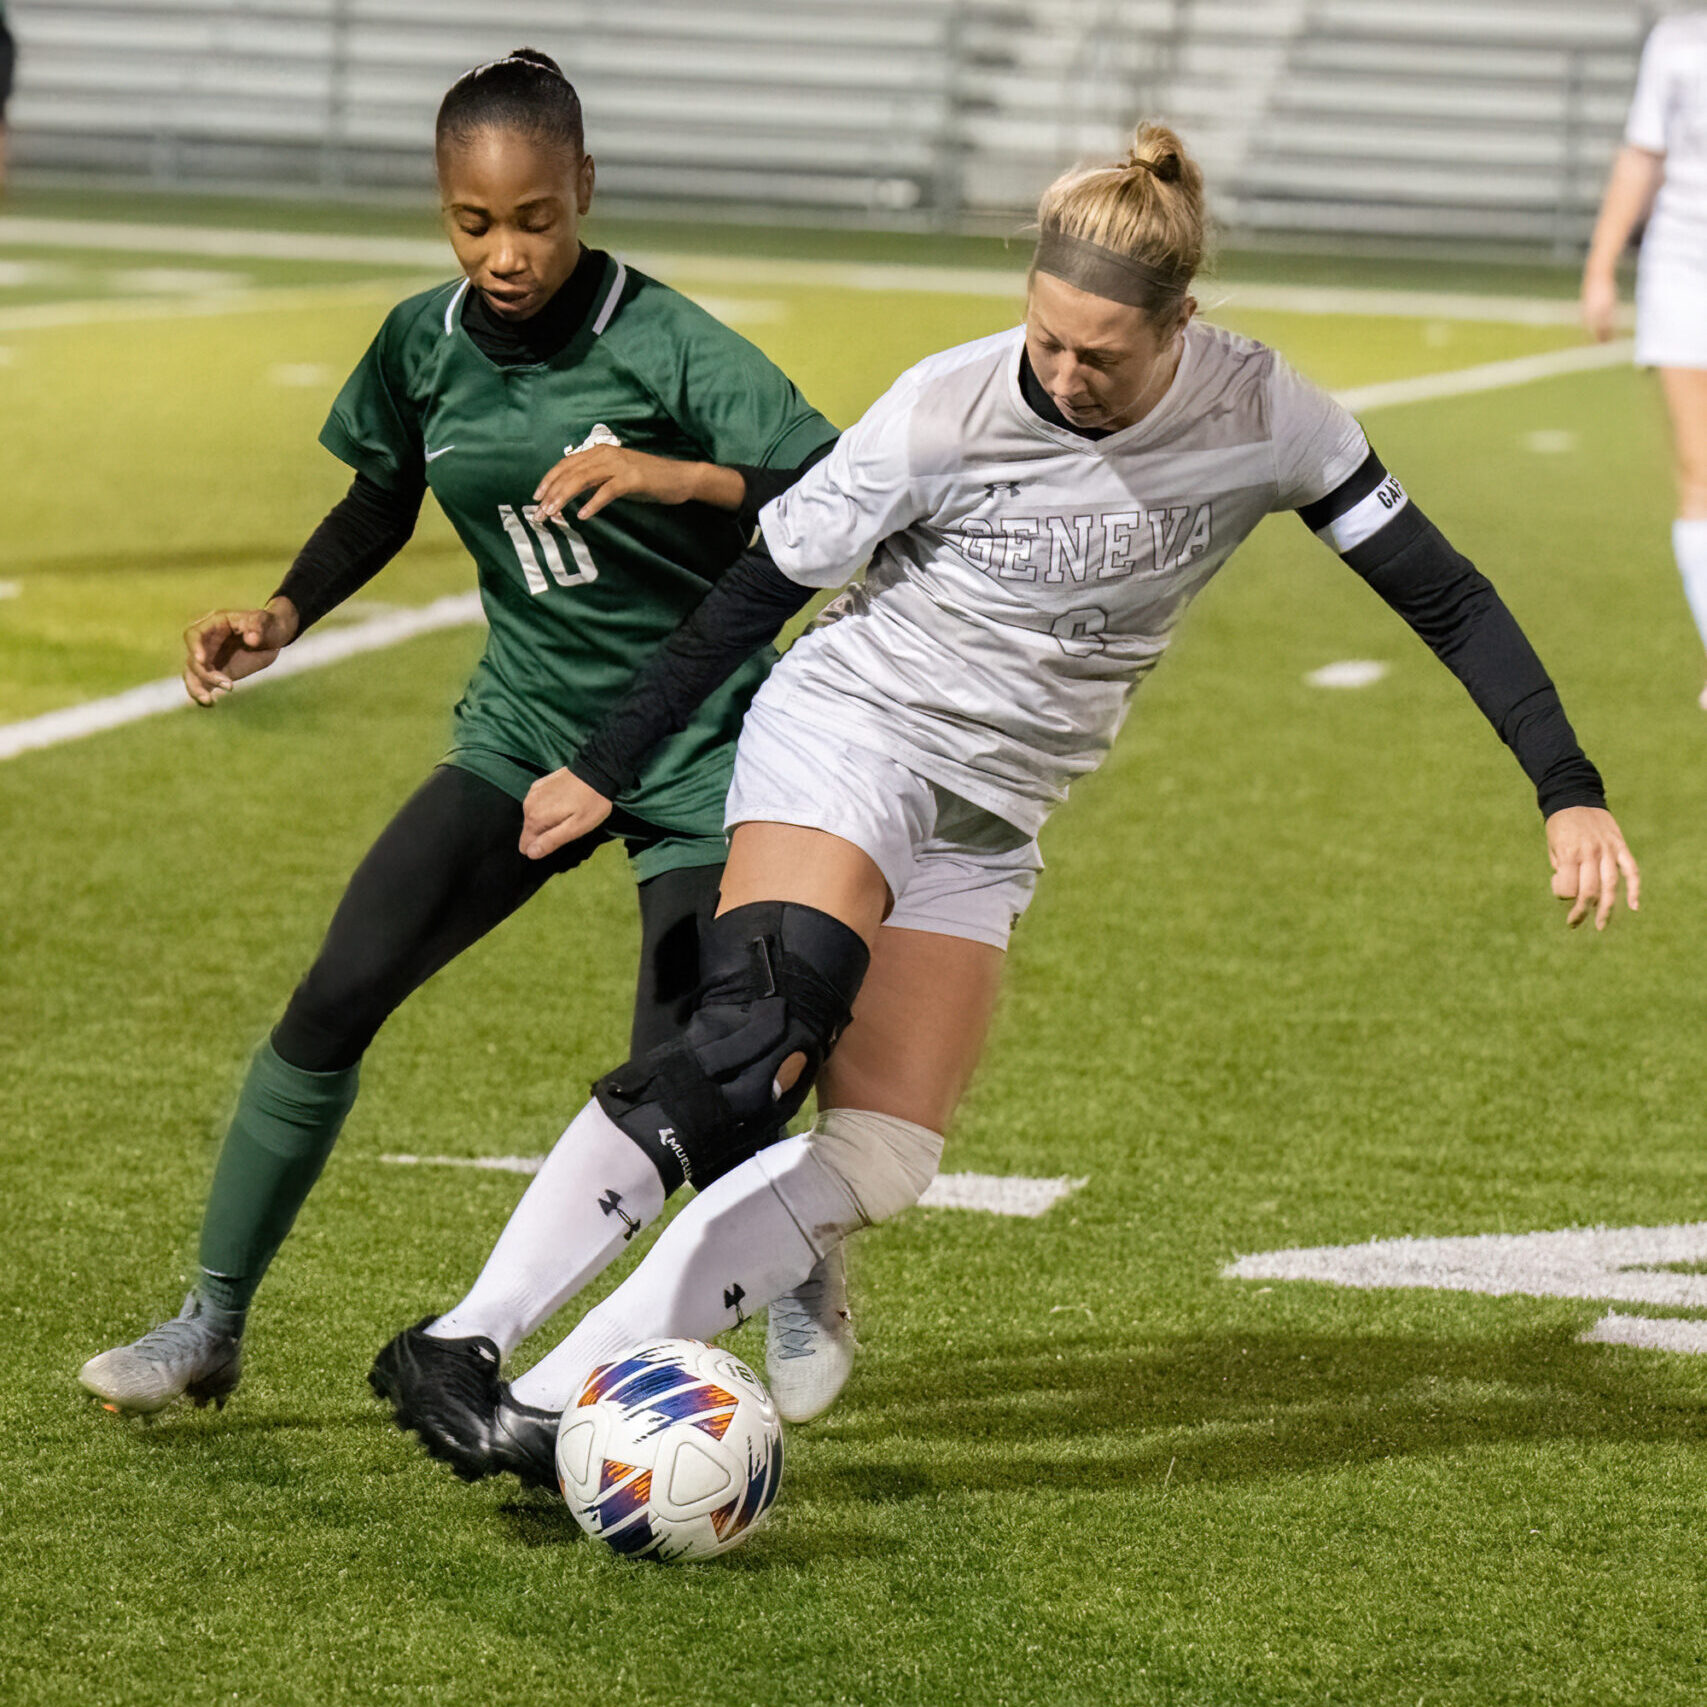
524, 1442
444, 1390
448, 1392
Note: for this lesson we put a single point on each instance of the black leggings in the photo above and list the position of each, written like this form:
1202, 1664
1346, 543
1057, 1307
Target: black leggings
444, 871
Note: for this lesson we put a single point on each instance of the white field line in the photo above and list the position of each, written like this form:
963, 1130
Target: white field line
880, 276
497, 1164
1622, 1265
992, 1194
330, 646
1399, 304
1656, 1266
140, 237
998, 1194
1348, 673
1649, 1333
96, 311
1489, 376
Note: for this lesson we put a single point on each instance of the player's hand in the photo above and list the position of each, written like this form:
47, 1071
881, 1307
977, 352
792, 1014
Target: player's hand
1588, 854
560, 808
224, 646
1599, 306
600, 474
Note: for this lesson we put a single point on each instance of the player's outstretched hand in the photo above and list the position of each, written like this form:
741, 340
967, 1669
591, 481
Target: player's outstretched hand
1599, 306
559, 808
1588, 854
608, 472
224, 646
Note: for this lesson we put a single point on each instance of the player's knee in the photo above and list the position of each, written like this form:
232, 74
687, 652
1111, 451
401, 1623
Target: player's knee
884, 1162
332, 1016
780, 981
1690, 466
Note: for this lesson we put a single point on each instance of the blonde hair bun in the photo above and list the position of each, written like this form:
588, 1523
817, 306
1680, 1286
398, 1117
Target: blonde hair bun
1148, 208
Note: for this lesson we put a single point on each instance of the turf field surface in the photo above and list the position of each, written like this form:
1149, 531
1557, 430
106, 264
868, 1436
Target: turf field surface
1292, 978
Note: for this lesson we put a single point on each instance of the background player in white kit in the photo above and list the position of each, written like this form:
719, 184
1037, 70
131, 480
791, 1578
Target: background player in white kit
1660, 176
1038, 509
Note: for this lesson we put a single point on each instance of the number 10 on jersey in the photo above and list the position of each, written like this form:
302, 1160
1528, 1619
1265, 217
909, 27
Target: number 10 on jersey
537, 549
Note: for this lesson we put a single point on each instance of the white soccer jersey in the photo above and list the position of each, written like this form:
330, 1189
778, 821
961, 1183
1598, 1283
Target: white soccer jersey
1024, 578
1669, 116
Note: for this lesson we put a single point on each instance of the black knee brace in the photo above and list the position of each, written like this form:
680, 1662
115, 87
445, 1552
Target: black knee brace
780, 980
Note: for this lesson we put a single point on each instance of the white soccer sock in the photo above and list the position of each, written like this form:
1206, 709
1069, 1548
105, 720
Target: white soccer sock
1689, 543
746, 1239
595, 1191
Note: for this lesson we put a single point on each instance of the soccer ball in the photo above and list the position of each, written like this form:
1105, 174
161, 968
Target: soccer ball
672, 1452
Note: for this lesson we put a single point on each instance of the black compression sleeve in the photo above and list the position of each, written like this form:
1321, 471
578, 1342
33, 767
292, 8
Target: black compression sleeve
764, 484
746, 607
362, 532
1454, 608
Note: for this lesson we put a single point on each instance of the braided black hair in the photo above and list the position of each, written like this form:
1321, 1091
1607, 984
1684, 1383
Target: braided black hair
524, 91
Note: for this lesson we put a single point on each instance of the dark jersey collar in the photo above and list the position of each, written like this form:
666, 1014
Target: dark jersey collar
1041, 404
542, 336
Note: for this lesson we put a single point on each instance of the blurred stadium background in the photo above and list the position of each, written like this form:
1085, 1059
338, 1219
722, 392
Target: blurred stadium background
1442, 119
1293, 978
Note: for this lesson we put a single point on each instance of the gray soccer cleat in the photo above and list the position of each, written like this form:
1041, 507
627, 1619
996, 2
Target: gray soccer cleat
810, 1344
187, 1357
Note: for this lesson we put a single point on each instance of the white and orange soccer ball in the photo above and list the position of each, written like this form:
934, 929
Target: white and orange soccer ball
673, 1452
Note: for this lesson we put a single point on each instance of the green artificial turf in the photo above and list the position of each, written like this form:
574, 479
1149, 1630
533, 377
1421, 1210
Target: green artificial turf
1292, 978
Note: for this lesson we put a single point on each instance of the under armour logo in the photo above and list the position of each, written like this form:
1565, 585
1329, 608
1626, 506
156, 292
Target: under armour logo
611, 1204
996, 487
732, 1296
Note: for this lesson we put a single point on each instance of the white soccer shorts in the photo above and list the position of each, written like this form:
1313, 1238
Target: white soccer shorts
1671, 313
952, 868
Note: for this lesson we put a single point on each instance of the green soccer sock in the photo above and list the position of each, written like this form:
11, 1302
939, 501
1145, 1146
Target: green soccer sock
286, 1123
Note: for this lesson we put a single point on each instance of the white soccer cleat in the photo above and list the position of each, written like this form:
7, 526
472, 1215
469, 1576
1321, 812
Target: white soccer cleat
187, 1357
810, 1344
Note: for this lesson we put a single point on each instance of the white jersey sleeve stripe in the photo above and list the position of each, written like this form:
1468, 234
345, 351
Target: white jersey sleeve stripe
453, 305
611, 300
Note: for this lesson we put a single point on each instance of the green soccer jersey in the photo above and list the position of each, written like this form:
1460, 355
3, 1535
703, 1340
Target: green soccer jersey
572, 607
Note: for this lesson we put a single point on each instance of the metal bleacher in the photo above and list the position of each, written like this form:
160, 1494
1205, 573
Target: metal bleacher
1440, 118
1448, 119
772, 102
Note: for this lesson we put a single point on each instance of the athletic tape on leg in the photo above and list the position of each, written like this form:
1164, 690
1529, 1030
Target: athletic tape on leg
884, 1162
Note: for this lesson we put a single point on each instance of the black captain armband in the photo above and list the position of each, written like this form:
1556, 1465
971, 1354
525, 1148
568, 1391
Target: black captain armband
362, 532
1357, 509
1372, 523
746, 607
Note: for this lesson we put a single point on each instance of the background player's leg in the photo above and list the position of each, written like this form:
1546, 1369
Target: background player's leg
1686, 397
919, 1026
